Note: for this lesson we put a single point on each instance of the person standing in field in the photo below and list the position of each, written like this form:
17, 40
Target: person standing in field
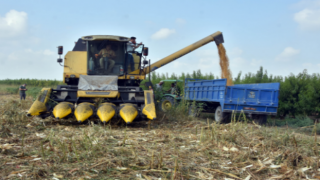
23, 90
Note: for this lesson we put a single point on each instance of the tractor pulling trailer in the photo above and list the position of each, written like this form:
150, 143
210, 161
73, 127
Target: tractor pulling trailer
107, 92
214, 96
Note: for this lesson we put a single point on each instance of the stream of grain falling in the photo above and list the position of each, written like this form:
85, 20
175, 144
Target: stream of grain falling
224, 64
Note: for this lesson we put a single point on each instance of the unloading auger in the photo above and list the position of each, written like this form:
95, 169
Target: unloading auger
104, 85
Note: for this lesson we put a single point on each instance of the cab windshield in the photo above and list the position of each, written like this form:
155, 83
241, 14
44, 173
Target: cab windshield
111, 58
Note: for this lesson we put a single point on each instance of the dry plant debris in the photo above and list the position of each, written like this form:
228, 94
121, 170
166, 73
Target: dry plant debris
34, 148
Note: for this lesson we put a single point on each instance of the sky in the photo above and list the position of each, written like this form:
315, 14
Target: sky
282, 36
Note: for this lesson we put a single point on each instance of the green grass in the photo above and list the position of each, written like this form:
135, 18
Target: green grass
302, 124
32, 91
34, 86
297, 122
12, 90
5, 88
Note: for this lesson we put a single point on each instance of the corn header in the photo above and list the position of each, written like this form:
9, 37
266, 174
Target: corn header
102, 82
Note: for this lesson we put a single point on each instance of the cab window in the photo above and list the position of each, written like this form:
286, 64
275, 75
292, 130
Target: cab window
106, 57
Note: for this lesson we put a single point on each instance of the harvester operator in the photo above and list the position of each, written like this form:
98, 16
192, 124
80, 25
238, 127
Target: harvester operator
131, 46
106, 61
23, 90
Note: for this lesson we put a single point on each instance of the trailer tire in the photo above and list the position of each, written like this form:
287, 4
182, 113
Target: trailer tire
166, 103
221, 117
261, 120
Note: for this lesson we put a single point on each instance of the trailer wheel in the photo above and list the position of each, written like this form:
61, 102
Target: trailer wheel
167, 103
221, 117
261, 120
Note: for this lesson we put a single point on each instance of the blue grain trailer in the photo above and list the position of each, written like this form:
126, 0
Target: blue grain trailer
256, 100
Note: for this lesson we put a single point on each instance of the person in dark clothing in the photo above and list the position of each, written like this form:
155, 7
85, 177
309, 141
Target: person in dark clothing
23, 90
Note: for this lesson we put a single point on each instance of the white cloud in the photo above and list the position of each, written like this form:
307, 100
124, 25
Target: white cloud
207, 53
207, 59
48, 52
310, 67
23, 55
29, 63
307, 3
13, 57
255, 62
13, 23
28, 50
163, 33
287, 54
307, 64
178, 64
237, 62
236, 52
180, 21
308, 19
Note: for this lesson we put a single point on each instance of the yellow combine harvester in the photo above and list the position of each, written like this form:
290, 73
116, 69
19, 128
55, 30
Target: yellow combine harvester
111, 79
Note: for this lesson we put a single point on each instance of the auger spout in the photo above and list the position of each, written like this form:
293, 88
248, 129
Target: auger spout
217, 37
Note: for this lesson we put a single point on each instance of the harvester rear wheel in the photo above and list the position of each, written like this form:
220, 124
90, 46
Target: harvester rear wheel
167, 103
221, 117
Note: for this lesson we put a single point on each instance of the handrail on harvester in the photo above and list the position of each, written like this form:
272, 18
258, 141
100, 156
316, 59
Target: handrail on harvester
217, 37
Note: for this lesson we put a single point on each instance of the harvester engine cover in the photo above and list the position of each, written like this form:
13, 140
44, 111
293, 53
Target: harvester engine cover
98, 83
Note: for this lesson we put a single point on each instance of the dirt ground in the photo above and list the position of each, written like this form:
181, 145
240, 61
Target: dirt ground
184, 148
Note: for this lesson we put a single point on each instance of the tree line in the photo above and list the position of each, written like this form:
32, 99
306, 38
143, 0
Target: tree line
31, 82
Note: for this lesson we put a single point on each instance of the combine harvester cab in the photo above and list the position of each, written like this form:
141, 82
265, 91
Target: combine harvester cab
102, 77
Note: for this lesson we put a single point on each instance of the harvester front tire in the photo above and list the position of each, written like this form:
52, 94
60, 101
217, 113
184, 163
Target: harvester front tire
166, 103
221, 117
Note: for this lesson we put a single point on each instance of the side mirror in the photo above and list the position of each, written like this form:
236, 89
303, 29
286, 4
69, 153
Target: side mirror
145, 62
145, 51
60, 52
